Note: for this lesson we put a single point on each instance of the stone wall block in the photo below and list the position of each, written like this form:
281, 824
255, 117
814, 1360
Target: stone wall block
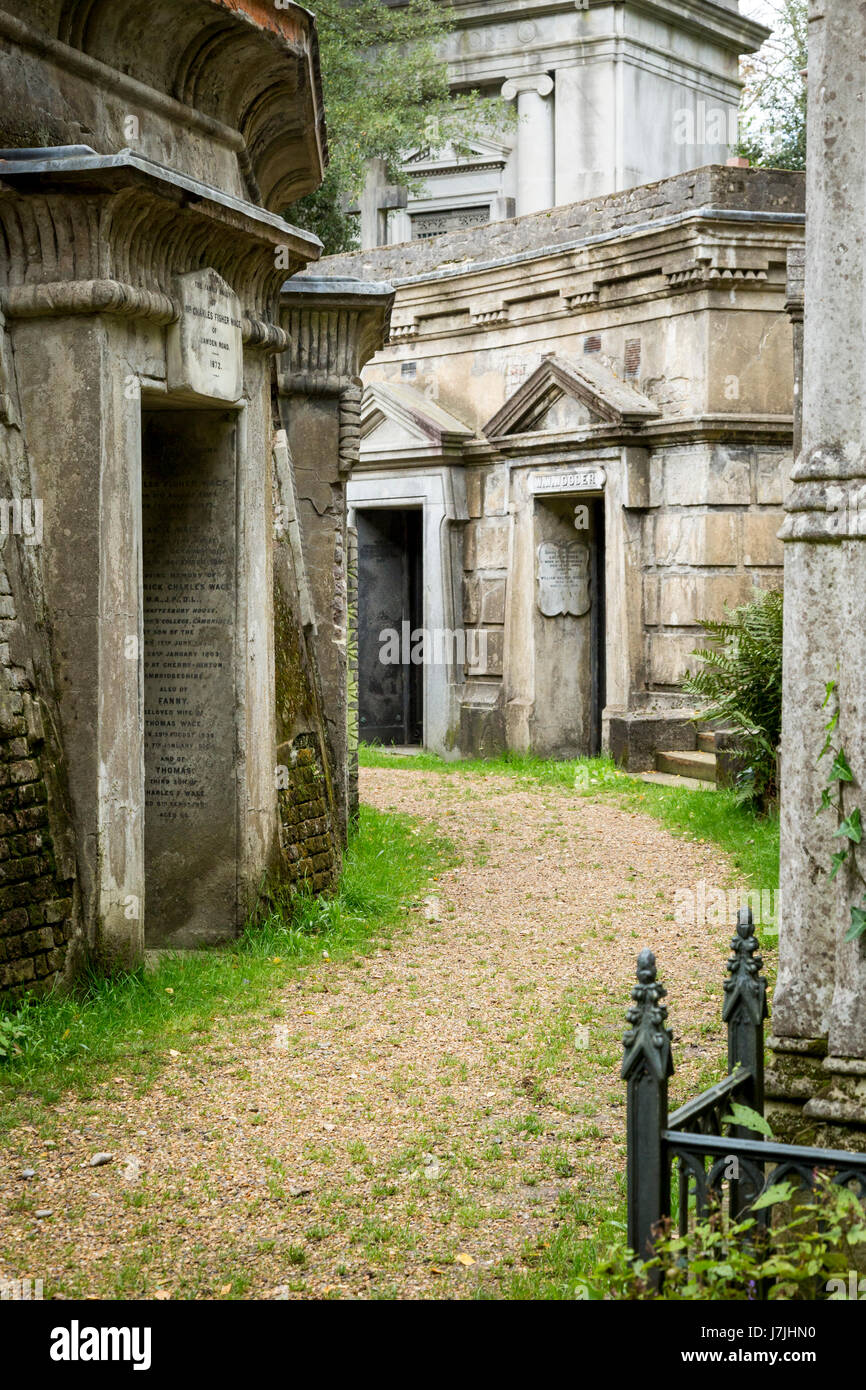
491, 544
761, 544
493, 600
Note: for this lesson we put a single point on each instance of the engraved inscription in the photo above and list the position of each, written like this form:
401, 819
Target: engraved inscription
573, 480
188, 518
205, 346
562, 575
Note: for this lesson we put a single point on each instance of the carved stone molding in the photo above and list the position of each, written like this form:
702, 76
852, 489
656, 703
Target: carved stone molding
246, 73
539, 83
334, 327
109, 235
715, 277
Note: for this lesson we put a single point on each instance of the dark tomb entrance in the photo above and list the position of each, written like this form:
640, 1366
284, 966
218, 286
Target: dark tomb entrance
188, 499
598, 635
390, 610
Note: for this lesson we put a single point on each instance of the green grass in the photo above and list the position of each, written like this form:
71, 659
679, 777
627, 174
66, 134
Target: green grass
562, 1268
132, 1021
716, 817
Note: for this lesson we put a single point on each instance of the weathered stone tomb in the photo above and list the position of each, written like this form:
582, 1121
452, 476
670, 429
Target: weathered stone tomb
173, 682
574, 449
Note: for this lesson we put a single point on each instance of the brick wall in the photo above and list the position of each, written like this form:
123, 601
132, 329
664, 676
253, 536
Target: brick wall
36, 922
306, 825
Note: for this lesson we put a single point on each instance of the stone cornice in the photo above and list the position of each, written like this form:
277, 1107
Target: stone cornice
334, 328
702, 256
109, 235
654, 433
244, 71
594, 442
696, 14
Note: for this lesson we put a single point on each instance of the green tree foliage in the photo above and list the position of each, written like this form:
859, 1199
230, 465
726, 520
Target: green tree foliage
773, 109
741, 681
386, 92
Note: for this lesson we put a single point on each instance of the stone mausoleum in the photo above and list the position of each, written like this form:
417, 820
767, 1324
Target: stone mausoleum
173, 588
607, 94
574, 448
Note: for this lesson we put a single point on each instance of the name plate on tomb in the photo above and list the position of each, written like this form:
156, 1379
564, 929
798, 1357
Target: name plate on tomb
590, 479
205, 346
562, 578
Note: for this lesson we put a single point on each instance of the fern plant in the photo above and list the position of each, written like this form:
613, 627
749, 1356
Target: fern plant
741, 683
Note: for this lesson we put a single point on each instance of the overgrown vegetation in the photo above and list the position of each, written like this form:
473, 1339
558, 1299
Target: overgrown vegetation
408, 107
849, 820
806, 1255
741, 681
51, 1045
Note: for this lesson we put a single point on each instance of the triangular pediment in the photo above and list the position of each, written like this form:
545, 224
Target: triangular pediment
397, 417
560, 397
479, 150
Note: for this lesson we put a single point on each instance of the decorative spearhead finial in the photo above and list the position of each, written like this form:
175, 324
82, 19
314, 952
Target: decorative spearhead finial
746, 990
647, 1042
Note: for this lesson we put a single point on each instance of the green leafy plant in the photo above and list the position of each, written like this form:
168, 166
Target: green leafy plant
748, 1118
741, 681
387, 93
13, 1032
849, 822
806, 1254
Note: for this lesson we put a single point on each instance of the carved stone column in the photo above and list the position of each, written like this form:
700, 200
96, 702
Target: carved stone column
535, 140
334, 326
794, 304
820, 999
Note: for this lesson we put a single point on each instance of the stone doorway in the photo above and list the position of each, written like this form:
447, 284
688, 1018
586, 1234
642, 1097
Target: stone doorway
189, 584
390, 610
569, 625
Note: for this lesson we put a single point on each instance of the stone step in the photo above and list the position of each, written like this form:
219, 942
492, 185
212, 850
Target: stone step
688, 764
706, 741
670, 779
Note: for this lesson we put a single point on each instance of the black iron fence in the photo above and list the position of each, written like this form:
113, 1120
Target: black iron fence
713, 1157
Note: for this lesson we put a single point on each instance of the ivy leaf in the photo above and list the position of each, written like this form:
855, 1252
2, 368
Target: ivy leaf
851, 829
826, 801
779, 1192
858, 924
749, 1119
838, 860
841, 771
828, 691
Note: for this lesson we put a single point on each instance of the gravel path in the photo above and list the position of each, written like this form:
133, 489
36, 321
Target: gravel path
411, 1127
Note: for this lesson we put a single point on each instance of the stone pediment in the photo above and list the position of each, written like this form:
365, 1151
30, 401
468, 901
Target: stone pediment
397, 417
559, 397
477, 152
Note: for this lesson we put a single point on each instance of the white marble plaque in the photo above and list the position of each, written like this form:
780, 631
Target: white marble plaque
205, 346
591, 479
562, 578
